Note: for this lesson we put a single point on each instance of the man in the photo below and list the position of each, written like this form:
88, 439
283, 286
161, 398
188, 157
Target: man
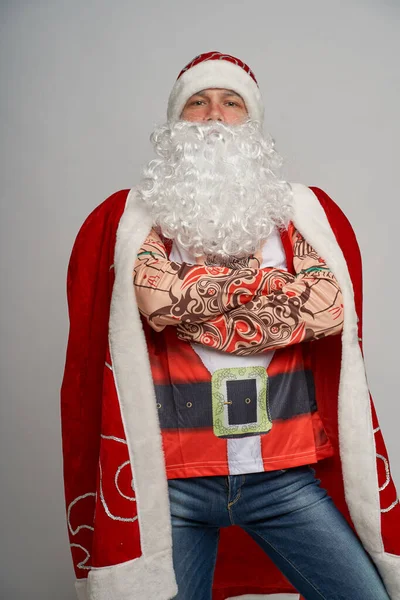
214, 354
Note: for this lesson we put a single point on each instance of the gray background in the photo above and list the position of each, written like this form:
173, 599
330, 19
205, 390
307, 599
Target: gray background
82, 86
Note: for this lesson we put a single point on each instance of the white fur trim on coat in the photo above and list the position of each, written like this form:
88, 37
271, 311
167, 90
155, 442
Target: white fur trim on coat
215, 74
145, 578
81, 589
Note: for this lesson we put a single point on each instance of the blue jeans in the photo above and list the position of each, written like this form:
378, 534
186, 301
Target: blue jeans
289, 515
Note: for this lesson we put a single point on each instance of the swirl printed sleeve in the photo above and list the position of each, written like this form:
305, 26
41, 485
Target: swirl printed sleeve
294, 309
170, 293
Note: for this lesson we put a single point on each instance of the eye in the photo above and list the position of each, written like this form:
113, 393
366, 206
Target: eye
233, 103
197, 103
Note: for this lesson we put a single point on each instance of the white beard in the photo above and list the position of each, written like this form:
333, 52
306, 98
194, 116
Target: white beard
214, 187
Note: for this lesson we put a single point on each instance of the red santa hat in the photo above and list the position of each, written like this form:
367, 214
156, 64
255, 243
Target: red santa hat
216, 70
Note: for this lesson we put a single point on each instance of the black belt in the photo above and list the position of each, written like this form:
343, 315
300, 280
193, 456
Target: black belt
189, 405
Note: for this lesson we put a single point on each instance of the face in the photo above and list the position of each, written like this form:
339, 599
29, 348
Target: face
215, 104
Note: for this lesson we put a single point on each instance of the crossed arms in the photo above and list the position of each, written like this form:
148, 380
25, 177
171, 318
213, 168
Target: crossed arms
244, 310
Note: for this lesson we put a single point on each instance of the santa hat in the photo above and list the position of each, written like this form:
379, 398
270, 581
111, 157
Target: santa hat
216, 70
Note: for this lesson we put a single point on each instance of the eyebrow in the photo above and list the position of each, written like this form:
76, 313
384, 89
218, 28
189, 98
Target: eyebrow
227, 93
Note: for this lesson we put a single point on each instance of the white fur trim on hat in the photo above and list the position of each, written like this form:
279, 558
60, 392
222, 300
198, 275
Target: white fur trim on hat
215, 74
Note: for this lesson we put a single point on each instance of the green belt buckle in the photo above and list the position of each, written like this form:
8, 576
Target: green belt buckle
240, 402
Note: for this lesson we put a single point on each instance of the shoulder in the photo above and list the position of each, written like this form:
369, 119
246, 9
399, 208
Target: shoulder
110, 208
309, 199
333, 210
105, 216
98, 232
304, 197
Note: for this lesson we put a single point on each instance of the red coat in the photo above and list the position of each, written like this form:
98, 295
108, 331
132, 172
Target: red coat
120, 531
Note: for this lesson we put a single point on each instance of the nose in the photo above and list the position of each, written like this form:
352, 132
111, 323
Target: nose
214, 113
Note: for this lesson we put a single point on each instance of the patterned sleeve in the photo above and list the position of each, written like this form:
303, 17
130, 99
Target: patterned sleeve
301, 307
169, 293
